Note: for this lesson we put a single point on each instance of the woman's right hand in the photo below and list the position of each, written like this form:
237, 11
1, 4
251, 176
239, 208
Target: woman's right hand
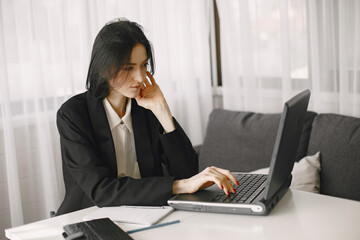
206, 178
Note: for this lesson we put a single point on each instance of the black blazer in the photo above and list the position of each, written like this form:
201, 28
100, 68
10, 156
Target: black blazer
89, 162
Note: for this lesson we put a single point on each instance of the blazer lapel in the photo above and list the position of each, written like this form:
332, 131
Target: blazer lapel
142, 138
102, 132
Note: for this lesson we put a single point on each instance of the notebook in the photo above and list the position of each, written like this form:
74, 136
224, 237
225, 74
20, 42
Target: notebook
257, 194
142, 215
99, 229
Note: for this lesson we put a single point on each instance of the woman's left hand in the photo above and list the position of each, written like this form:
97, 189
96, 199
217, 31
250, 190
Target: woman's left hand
152, 98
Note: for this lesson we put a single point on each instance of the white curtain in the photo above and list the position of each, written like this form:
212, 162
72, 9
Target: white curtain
45, 50
273, 49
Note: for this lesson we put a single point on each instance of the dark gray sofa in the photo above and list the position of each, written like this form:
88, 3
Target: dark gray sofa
243, 141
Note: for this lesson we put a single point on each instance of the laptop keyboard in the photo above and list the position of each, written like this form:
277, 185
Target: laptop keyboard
246, 191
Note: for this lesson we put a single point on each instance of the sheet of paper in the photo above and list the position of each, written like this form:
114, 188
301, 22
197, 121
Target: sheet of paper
131, 214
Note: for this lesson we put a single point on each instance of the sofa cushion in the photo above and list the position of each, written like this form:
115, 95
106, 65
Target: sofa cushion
305, 174
337, 137
244, 141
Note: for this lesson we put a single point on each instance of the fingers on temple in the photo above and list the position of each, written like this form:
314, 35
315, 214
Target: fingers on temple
146, 83
150, 77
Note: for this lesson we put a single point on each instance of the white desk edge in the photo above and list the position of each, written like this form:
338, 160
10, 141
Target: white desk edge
299, 215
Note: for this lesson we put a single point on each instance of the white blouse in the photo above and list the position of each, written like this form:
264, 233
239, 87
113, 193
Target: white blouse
124, 143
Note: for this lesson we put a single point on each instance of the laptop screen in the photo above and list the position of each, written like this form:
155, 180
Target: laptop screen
287, 142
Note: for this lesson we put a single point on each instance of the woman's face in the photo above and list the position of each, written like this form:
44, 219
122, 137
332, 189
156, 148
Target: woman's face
130, 78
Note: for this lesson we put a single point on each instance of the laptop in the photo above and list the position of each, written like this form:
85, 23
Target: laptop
257, 194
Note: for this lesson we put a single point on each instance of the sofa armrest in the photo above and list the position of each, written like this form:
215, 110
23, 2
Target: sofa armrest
337, 137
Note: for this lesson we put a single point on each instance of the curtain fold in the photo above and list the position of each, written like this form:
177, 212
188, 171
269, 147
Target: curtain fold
274, 49
45, 49
9, 168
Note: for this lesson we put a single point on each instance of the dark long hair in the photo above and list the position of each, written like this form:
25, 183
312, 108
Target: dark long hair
111, 50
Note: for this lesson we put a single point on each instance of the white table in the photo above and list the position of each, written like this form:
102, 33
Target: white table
299, 215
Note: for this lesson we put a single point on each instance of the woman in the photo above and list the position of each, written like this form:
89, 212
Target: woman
119, 142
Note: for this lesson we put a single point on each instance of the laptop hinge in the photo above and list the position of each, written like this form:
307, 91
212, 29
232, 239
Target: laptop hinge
269, 203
